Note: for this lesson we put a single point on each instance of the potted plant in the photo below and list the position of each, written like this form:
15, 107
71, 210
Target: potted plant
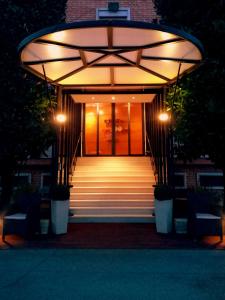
163, 208
60, 208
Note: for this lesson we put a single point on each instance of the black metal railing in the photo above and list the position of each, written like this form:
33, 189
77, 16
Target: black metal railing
69, 136
74, 159
158, 139
149, 152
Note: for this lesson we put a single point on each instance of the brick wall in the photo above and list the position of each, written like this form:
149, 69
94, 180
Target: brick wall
141, 10
193, 169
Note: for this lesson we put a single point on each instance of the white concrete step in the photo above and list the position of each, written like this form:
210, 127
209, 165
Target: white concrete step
113, 164
148, 218
112, 203
124, 159
110, 173
144, 166
104, 183
106, 196
111, 210
112, 189
132, 178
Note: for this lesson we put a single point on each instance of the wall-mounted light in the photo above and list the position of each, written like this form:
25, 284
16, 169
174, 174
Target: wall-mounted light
164, 117
60, 118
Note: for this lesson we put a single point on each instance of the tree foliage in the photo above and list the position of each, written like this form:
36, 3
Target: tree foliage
200, 122
25, 126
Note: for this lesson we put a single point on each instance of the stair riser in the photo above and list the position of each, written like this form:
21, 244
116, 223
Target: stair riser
109, 159
114, 167
112, 190
112, 211
113, 178
114, 219
111, 196
111, 173
111, 203
108, 184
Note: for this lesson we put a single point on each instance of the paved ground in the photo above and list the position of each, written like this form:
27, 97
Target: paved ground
112, 274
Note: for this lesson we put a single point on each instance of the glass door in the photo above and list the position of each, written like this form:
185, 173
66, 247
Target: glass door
121, 129
98, 129
136, 129
113, 129
105, 128
91, 121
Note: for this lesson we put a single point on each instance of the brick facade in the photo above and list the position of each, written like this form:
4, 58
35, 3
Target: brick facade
141, 10
192, 169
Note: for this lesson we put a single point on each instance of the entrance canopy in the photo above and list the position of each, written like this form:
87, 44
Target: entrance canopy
110, 54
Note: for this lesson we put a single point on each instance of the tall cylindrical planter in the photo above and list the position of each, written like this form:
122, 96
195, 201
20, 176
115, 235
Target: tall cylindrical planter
59, 216
164, 215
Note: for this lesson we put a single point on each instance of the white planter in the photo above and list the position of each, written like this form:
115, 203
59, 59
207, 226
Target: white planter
60, 215
44, 224
164, 215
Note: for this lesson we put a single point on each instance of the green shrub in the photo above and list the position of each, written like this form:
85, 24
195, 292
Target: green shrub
163, 192
60, 192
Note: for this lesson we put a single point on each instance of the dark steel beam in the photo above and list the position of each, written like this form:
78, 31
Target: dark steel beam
110, 37
183, 60
44, 61
139, 54
143, 68
112, 76
83, 57
80, 69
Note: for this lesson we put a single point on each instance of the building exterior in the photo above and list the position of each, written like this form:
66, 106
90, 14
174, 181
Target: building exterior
116, 119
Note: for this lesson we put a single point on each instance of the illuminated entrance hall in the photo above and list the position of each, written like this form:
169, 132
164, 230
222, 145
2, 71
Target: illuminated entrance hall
113, 129
103, 58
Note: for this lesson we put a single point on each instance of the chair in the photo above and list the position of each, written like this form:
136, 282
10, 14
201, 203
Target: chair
205, 214
24, 218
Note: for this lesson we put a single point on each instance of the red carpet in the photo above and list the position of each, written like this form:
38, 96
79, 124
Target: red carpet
113, 236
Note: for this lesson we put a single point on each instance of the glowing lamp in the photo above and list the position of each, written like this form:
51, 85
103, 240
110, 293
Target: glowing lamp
164, 117
60, 118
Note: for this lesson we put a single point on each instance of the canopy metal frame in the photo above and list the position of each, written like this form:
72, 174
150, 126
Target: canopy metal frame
106, 52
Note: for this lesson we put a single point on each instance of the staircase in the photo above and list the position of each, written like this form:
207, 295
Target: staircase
112, 189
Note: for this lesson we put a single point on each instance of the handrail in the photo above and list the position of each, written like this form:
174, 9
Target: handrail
152, 158
74, 159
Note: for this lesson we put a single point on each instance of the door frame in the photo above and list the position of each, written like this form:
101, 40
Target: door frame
113, 116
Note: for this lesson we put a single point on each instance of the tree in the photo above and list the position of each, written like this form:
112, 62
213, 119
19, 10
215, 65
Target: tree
200, 123
25, 125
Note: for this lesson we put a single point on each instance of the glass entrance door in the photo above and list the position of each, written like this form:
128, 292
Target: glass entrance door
113, 129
